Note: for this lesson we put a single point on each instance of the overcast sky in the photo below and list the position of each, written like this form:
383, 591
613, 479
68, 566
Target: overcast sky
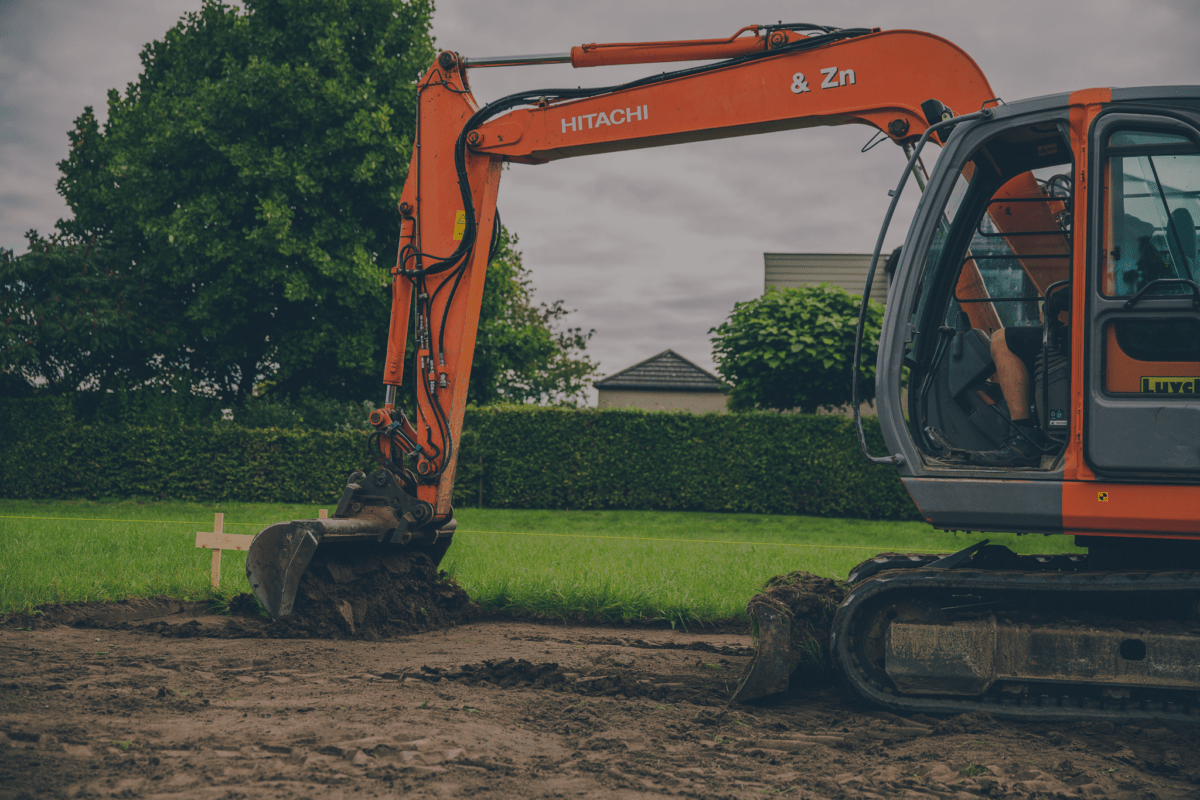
652, 247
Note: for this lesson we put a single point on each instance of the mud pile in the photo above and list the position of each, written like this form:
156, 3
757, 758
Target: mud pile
809, 602
370, 592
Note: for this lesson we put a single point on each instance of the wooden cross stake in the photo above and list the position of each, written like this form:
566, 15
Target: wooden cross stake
217, 541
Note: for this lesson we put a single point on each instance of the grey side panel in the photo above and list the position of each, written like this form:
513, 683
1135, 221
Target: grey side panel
983, 505
1144, 435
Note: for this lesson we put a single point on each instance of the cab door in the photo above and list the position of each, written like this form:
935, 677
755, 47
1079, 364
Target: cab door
1142, 409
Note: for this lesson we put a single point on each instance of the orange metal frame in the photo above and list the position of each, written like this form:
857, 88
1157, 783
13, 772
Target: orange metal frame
879, 79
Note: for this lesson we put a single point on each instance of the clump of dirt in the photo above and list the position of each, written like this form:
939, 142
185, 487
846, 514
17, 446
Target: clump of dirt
370, 592
506, 673
809, 603
245, 605
972, 722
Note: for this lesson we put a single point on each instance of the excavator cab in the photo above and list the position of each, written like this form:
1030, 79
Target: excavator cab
1074, 218
1000, 257
1098, 281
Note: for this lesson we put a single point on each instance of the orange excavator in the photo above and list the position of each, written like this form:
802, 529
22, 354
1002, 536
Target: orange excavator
1066, 222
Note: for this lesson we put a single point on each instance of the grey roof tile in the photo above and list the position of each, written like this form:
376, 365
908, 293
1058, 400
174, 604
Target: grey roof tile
667, 371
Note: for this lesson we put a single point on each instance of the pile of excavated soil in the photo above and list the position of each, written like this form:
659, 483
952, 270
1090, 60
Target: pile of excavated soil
809, 602
364, 592
371, 592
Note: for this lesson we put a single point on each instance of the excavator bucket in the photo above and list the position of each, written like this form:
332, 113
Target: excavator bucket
280, 554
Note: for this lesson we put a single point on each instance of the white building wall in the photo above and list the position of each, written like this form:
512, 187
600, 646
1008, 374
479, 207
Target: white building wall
695, 402
848, 270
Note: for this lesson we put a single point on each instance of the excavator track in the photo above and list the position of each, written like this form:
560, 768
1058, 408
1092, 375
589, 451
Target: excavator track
1041, 639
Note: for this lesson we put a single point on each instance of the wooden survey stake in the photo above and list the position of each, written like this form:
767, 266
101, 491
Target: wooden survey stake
218, 540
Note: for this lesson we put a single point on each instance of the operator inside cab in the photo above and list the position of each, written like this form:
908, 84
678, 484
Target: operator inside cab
1014, 352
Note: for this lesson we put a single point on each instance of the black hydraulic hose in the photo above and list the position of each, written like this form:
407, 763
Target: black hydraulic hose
896, 459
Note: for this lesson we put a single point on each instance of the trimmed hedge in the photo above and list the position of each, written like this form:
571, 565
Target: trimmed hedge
518, 456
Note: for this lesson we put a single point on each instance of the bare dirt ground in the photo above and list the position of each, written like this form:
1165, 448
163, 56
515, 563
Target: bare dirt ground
123, 707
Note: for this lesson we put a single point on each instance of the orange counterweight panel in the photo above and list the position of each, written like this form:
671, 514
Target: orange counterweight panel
1019, 215
971, 287
1129, 509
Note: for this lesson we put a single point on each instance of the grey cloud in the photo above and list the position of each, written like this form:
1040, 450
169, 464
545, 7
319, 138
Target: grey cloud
652, 247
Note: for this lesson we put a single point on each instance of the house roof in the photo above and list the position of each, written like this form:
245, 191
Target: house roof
667, 371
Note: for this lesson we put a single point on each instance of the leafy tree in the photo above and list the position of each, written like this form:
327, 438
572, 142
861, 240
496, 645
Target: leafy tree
792, 348
249, 179
522, 354
251, 175
76, 315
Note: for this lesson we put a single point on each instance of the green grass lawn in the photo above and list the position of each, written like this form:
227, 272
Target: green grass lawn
613, 565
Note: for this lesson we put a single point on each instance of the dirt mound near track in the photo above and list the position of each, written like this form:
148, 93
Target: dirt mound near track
373, 592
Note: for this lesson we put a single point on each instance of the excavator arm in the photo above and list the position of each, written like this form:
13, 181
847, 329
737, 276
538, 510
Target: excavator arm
776, 80
762, 79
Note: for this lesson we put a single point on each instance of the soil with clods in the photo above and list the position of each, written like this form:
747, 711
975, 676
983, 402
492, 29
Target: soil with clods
367, 594
114, 700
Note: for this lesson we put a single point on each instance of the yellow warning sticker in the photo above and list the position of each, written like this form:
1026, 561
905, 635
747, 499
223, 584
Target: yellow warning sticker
1188, 384
460, 225
1102, 497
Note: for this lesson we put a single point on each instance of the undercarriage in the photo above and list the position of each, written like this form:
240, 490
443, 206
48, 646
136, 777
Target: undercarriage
1022, 637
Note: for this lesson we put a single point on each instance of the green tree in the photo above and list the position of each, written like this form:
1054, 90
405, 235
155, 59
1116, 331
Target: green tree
250, 176
523, 353
792, 348
76, 315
